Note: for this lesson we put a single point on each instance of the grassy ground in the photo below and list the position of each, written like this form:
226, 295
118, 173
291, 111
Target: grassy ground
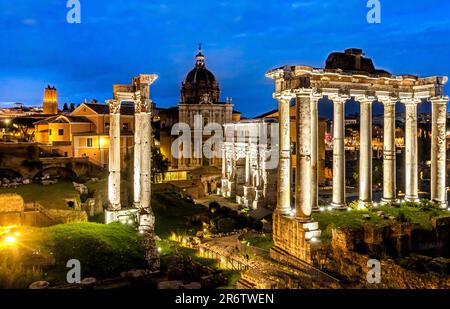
263, 242
42, 253
418, 213
51, 196
172, 212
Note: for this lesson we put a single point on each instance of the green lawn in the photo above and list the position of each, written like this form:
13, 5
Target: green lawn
51, 196
42, 253
172, 212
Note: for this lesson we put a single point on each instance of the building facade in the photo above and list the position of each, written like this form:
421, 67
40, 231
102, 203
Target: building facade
200, 105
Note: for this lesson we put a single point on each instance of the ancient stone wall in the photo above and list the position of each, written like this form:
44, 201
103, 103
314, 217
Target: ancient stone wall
352, 265
11, 203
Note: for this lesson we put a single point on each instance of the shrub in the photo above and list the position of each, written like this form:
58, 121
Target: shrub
402, 217
213, 207
257, 225
224, 211
15, 276
225, 225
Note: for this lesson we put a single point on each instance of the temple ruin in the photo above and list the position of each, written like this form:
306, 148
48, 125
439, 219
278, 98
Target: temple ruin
139, 94
348, 76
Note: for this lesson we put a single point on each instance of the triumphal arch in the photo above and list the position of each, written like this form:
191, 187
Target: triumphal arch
347, 76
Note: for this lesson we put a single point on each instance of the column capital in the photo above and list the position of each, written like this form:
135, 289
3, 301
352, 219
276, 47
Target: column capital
283, 96
114, 106
411, 101
387, 100
439, 100
339, 98
305, 92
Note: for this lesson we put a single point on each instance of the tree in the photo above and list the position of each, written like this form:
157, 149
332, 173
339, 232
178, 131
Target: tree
159, 163
65, 107
72, 107
24, 125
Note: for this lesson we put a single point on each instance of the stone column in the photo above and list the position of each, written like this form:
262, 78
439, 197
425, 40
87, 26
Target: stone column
247, 166
137, 154
284, 165
389, 153
114, 156
224, 162
314, 152
339, 200
146, 218
365, 152
303, 175
411, 153
146, 157
438, 151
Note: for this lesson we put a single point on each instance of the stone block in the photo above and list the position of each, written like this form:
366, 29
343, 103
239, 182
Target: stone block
170, 285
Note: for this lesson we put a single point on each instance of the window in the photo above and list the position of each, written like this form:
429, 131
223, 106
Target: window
125, 126
89, 142
60, 131
50, 132
106, 125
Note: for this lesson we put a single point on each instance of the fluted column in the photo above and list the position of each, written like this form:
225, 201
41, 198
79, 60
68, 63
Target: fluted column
389, 167
303, 175
314, 152
365, 152
114, 156
137, 155
411, 152
284, 166
338, 199
438, 151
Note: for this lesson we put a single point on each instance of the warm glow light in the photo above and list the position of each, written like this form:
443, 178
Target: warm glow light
159, 249
7, 121
10, 239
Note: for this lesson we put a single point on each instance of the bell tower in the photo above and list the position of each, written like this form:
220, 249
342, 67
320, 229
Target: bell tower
50, 104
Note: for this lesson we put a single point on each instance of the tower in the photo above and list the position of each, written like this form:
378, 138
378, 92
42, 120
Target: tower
50, 104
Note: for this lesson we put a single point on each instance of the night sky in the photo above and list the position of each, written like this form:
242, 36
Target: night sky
118, 39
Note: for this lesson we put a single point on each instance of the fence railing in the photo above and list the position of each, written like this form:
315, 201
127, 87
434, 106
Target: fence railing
224, 261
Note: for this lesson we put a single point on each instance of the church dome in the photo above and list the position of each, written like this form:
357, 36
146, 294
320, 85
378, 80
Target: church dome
200, 75
200, 85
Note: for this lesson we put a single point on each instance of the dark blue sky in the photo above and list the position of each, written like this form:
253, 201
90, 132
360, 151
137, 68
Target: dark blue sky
118, 39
